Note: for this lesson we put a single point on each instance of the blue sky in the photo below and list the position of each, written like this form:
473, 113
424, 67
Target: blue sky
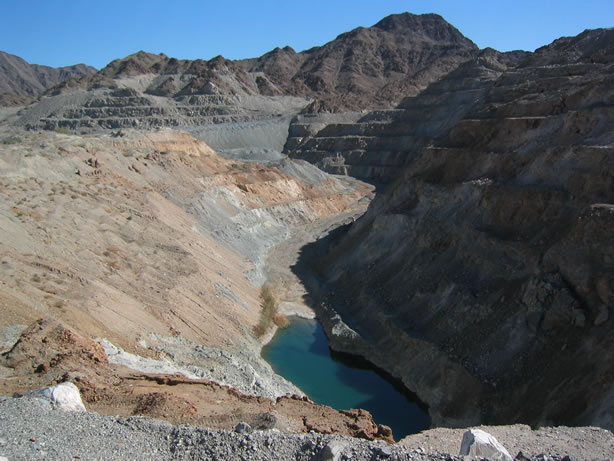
64, 32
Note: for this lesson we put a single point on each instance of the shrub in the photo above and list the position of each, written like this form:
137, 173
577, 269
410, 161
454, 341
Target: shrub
281, 321
269, 314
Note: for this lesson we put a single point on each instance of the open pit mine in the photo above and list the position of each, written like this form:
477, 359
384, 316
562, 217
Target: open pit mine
444, 212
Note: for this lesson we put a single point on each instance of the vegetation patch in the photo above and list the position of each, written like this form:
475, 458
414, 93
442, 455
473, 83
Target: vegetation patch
269, 314
281, 321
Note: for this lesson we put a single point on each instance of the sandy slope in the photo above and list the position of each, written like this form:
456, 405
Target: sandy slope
155, 243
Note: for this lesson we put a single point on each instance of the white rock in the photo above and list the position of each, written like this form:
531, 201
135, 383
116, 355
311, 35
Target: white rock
479, 443
64, 396
118, 356
332, 450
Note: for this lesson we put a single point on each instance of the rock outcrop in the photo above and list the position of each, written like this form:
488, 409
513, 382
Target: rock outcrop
63, 396
481, 273
375, 146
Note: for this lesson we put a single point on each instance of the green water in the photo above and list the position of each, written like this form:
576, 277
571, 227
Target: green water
300, 353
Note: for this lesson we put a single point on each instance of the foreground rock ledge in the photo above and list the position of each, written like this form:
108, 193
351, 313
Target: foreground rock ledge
68, 435
48, 353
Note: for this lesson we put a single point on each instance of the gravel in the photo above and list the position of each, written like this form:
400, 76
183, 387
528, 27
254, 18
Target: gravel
31, 429
261, 134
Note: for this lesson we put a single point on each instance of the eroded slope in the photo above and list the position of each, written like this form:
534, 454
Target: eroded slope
155, 243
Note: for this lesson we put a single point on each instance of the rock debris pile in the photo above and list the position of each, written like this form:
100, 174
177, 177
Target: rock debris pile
88, 436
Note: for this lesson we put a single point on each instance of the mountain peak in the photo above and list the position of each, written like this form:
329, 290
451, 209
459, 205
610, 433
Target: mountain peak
401, 21
430, 26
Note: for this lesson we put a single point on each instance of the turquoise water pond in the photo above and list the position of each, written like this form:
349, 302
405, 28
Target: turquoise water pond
300, 353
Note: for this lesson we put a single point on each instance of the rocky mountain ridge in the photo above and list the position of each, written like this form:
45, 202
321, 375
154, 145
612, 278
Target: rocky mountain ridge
373, 67
366, 67
21, 82
369, 67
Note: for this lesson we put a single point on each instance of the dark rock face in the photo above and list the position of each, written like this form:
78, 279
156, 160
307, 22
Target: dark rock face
482, 273
365, 68
369, 67
21, 82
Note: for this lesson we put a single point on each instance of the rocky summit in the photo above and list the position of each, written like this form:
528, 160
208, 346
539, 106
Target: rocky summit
444, 211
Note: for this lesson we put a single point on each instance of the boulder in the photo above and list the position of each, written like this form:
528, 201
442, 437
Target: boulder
479, 443
242, 428
384, 452
332, 450
64, 396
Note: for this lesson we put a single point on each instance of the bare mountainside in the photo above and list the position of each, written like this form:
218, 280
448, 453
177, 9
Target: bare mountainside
21, 82
366, 68
482, 272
